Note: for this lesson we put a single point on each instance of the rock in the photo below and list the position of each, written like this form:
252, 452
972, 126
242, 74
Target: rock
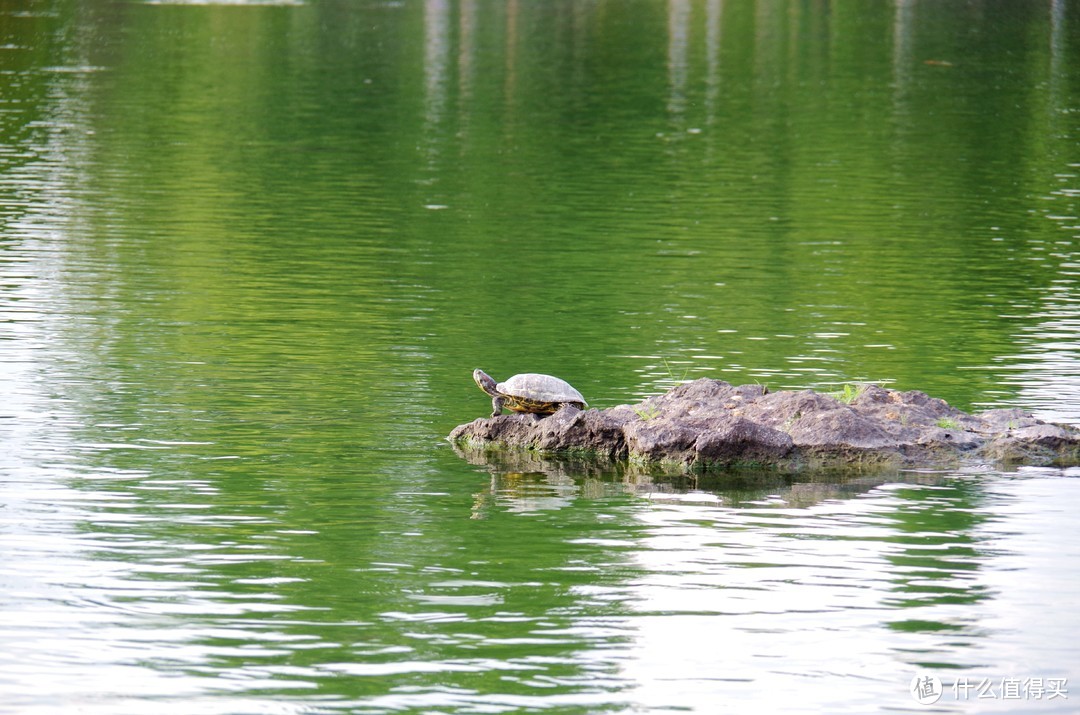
744, 442
1034, 444
709, 423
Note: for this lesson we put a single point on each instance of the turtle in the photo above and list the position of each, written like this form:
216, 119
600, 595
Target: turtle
529, 392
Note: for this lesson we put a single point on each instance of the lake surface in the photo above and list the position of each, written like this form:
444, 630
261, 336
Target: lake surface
251, 252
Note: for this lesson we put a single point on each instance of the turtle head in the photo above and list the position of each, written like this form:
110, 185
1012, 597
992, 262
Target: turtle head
485, 382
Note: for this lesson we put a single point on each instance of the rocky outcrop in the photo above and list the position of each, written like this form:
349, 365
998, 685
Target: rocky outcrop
710, 423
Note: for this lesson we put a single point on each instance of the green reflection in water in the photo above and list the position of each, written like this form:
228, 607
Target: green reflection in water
250, 255
753, 195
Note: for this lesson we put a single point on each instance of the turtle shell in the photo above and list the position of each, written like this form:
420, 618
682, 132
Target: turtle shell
532, 392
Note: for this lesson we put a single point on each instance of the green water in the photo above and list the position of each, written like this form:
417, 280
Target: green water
251, 253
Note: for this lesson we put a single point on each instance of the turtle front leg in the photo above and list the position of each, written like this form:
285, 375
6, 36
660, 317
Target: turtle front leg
496, 406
